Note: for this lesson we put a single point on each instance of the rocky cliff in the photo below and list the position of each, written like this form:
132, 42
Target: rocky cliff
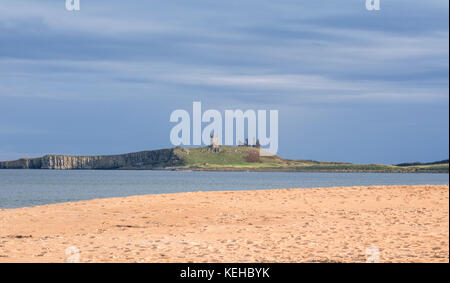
225, 158
139, 160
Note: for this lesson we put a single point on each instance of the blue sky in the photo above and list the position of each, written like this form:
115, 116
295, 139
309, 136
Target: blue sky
350, 85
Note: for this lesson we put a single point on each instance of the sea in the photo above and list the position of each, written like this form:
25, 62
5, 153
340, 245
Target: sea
23, 188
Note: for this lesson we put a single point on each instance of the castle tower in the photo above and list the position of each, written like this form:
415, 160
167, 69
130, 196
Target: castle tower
214, 141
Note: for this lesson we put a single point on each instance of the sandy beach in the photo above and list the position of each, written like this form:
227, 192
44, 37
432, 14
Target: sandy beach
398, 223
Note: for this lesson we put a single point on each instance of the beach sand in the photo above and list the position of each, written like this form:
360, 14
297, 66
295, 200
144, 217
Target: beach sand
398, 223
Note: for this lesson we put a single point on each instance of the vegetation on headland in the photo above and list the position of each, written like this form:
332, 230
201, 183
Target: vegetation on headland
224, 158
248, 159
442, 162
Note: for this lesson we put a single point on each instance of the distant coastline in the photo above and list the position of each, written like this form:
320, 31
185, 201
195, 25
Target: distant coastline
225, 158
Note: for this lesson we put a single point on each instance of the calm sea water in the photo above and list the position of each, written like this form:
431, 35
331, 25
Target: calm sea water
20, 188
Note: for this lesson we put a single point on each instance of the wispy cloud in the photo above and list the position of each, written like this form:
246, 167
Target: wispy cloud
70, 53
285, 54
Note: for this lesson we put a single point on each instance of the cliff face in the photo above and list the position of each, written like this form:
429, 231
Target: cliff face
138, 160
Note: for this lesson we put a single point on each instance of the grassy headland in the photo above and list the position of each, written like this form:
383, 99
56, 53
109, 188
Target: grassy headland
247, 158
226, 158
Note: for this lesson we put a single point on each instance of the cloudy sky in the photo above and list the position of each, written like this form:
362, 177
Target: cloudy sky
350, 85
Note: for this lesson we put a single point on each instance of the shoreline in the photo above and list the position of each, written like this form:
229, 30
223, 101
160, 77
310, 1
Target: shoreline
226, 158
406, 223
305, 171
220, 191
242, 170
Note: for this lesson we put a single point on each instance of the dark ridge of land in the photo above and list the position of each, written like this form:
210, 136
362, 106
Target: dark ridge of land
225, 158
423, 164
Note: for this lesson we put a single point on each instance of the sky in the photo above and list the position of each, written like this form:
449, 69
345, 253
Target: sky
350, 84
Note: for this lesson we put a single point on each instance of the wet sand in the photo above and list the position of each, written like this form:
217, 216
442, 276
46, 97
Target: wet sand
392, 223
